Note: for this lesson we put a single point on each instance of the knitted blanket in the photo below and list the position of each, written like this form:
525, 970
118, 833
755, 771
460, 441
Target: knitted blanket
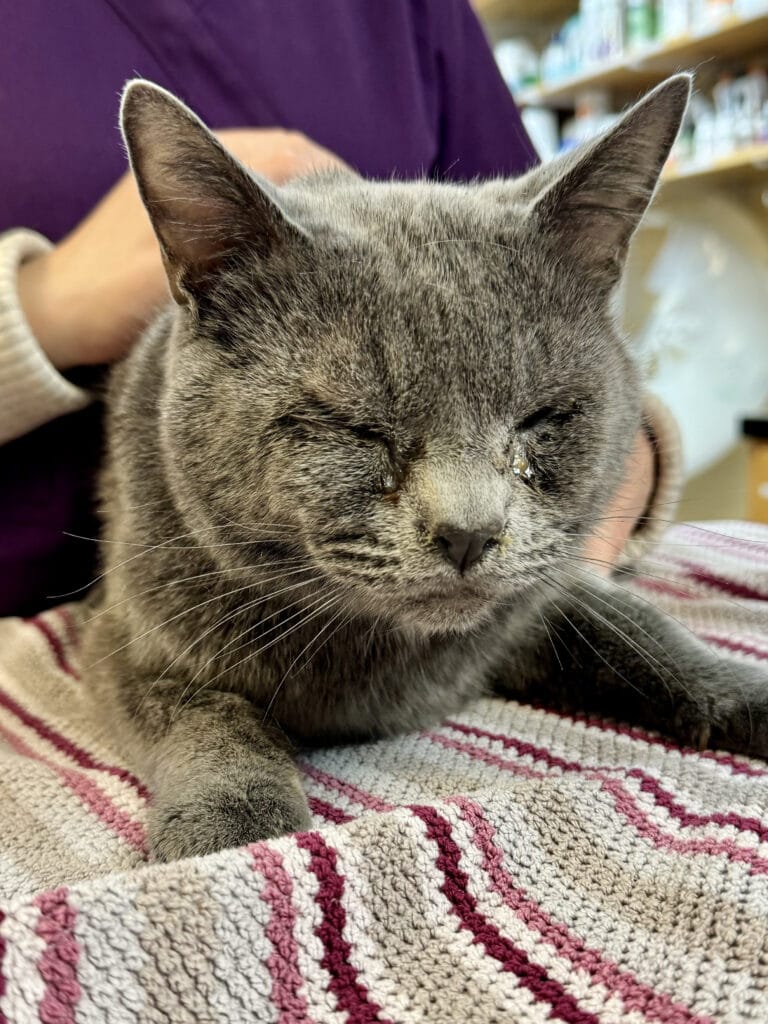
512, 865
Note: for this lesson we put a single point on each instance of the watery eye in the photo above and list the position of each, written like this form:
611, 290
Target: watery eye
389, 483
522, 468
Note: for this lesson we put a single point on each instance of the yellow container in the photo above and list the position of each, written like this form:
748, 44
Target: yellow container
756, 431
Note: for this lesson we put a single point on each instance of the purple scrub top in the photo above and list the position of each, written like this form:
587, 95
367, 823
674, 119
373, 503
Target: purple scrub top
396, 87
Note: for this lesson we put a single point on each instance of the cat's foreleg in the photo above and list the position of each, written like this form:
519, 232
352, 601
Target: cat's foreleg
597, 647
219, 777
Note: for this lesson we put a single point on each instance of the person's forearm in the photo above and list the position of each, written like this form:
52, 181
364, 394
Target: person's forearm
32, 392
84, 310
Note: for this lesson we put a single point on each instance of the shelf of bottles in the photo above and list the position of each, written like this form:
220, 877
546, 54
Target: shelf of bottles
611, 51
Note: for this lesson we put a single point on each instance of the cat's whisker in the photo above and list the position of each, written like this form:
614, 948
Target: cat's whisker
697, 527
642, 573
551, 641
253, 569
647, 657
217, 654
168, 542
650, 604
304, 606
186, 611
301, 653
114, 568
251, 527
240, 610
585, 639
276, 640
148, 549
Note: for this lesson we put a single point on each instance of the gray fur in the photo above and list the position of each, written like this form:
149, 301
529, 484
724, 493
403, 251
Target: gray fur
351, 370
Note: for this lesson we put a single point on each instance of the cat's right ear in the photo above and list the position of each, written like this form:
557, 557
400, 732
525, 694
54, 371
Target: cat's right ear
590, 202
205, 207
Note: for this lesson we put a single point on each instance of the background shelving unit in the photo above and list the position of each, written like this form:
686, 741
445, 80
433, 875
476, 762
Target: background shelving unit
736, 38
721, 491
733, 40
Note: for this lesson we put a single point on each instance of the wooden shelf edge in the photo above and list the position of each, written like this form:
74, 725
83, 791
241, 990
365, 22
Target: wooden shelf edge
545, 10
751, 160
614, 74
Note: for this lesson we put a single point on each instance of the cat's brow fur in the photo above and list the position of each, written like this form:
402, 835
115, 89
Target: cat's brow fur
352, 371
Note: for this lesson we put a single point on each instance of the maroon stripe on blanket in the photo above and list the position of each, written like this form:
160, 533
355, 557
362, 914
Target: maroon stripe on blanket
283, 962
57, 965
65, 616
500, 947
626, 805
322, 809
634, 993
648, 784
85, 789
354, 793
632, 732
55, 644
691, 818
352, 995
714, 539
3, 1019
66, 746
718, 582
737, 646
668, 589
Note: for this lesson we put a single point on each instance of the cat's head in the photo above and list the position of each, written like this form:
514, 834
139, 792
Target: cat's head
416, 388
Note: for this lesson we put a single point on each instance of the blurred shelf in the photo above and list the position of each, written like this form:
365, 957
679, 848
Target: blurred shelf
633, 72
618, 75
530, 10
741, 165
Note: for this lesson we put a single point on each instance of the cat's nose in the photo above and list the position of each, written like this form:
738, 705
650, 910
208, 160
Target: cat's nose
466, 547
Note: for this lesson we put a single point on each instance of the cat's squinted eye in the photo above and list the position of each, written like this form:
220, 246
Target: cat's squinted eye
547, 415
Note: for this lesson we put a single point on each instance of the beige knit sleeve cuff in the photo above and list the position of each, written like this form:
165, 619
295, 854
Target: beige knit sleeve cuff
662, 430
32, 391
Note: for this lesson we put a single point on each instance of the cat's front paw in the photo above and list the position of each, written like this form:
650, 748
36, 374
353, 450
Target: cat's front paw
219, 818
733, 716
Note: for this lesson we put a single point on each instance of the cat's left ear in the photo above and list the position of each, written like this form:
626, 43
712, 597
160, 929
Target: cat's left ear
592, 200
203, 204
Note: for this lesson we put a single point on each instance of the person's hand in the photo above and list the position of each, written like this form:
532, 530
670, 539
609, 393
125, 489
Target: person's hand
611, 533
89, 298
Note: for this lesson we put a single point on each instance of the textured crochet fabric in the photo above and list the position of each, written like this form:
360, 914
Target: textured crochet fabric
510, 866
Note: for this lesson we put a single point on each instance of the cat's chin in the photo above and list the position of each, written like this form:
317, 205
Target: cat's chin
444, 617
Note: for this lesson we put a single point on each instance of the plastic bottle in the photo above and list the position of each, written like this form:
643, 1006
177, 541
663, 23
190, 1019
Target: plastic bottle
640, 23
750, 8
713, 12
726, 99
542, 126
614, 30
674, 18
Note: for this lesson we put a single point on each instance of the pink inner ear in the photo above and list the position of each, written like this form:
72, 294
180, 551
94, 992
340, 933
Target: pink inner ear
195, 231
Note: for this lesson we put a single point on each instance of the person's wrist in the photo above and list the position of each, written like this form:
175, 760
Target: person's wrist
87, 315
50, 312
627, 510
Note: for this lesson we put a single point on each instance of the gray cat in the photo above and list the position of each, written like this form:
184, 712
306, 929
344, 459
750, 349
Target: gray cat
349, 473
